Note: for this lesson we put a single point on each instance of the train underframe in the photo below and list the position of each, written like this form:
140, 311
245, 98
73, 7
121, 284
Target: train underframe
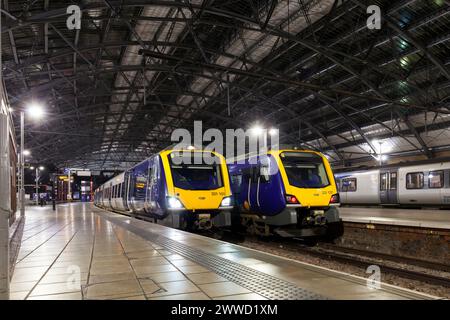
196, 220
312, 223
187, 220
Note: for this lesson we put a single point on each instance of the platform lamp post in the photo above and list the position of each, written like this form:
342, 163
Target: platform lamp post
38, 169
35, 111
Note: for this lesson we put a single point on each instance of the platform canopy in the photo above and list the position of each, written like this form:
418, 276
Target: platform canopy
115, 89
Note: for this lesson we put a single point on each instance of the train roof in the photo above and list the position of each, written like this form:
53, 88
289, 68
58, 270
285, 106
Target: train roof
249, 155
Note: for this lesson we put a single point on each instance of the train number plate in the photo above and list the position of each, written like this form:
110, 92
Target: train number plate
204, 216
318, 212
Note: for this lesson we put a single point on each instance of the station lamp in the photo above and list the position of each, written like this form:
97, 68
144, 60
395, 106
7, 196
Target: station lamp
35, 110
273, 132
257, 130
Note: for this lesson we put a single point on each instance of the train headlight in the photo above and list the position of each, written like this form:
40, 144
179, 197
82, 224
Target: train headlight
226, 202
174, 203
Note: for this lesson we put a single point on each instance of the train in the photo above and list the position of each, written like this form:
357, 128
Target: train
289, 193
416, 184
183, 189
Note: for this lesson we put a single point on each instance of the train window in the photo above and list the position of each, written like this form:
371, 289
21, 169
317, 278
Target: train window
414, 180
236, 182
393, 182
305, 170
383, 181
349, 185
436, 179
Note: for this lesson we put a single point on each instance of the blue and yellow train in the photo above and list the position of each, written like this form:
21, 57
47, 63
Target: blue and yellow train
184, 189
290, 193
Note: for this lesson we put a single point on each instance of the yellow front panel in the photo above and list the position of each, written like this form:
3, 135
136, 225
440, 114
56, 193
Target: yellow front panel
201, 199
198, 199
308, 197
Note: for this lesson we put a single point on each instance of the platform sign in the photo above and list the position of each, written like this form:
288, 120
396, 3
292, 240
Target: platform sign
84, 173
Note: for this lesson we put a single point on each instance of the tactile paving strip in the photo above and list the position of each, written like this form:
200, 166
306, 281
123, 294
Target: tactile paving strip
263, 284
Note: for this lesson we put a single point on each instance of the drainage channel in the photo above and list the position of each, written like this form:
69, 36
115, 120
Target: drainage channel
258, 282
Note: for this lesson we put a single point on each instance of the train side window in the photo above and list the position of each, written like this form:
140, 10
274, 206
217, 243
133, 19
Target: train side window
236, 182
414, 180
383, 181
349, 185
436, 179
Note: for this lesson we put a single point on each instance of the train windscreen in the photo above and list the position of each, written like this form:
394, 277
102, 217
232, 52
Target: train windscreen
305, 170
195, 171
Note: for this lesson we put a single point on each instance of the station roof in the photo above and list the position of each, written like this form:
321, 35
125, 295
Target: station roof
115, 89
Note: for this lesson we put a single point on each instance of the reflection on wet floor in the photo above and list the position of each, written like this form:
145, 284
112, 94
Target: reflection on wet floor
75, 253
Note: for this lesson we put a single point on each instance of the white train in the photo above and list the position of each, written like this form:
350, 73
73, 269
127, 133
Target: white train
419, 184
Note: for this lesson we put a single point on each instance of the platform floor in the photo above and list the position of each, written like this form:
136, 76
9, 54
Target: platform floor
81, 252
426, 218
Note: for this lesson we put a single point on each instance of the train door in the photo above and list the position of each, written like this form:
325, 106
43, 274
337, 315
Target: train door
125, 190
110, 196
389, 186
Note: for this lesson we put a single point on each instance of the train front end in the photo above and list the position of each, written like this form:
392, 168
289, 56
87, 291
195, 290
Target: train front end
198, 189
310, 193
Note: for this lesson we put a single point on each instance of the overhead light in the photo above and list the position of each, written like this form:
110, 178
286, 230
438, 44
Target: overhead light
41, 168
32, 168
191, 148
10, 110
26, 152
36, 111
257, 130
274, 132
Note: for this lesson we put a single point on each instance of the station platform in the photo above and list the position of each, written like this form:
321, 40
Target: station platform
82, 252
424, 218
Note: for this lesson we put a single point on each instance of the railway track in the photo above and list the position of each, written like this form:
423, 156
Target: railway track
363, 259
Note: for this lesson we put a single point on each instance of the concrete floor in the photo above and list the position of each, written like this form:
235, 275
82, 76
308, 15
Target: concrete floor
81, 252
